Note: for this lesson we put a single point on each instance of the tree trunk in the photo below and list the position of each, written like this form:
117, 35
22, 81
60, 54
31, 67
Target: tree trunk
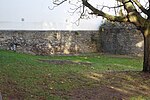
146, 63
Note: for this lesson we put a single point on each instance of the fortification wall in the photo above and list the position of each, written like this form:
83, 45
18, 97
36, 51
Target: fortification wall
49, 42
113, 38
121, 38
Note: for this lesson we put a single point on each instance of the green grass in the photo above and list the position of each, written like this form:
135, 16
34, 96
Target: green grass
23, 76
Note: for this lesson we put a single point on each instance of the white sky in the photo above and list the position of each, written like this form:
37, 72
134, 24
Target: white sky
37, 16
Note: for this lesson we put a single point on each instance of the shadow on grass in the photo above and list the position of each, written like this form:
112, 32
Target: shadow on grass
113, 86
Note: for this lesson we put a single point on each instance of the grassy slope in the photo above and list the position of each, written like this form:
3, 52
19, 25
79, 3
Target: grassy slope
23, 76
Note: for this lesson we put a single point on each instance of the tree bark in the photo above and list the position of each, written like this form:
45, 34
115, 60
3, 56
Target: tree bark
146, 63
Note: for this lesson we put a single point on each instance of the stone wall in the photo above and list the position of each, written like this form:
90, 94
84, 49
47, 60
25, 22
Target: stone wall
49, 42
121, 38
113, 38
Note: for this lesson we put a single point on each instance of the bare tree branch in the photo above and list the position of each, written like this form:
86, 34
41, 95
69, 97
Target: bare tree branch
105, 15
57, 3
132, 15
149, 10
103, 6
74, 10
140, 6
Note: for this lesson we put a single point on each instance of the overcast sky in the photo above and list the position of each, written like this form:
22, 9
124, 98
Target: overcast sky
35, 15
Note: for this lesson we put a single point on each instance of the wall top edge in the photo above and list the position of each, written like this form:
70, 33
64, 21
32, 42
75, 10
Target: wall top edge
50, 30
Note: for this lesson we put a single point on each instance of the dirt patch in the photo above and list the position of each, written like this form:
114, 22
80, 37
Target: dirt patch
97, 93
64, 62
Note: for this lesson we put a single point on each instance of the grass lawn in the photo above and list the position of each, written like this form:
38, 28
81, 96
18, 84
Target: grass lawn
83, 77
